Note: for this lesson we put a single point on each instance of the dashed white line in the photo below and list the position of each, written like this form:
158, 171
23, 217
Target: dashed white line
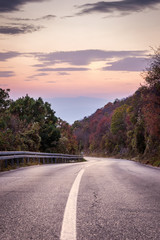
68, 231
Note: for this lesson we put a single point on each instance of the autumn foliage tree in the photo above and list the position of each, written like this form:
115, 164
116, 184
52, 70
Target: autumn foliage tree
151, 108
67, 143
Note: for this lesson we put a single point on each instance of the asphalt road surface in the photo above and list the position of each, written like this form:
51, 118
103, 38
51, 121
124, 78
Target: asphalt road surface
101, 199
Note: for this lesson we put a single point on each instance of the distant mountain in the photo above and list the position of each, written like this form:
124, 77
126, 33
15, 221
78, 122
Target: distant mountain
71, 109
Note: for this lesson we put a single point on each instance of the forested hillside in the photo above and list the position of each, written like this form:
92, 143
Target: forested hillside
31, 125
129, 127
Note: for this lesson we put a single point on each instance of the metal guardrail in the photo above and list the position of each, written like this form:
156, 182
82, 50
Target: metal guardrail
11, 158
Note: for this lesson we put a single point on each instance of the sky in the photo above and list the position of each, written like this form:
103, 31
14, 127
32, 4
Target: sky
76, 54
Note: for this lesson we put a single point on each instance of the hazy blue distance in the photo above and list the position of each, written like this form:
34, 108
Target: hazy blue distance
72, 109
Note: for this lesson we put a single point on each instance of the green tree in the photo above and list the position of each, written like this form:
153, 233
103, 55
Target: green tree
4, 99
138, 141
119, 128
118, 120
31, 139
31, 112
29, 109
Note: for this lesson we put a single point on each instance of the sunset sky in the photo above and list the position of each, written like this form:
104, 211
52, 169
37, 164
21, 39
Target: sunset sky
76, 54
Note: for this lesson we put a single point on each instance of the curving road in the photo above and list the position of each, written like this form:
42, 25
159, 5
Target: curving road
101, 199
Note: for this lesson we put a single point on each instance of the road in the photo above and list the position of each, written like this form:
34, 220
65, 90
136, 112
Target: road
101, 199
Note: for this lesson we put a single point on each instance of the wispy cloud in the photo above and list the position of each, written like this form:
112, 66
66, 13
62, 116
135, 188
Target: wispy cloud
6, 74
69, 69
16, 29
128, 64
51, 81
41, 74
39, 65
82, 57
4, 56
14, 5
123, 7
46, 17
63, 73
32, 77
69, 16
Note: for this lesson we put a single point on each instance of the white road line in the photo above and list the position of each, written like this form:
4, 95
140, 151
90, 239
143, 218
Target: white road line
68, 231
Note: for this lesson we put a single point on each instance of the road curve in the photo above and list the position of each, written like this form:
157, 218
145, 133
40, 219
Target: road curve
101, 199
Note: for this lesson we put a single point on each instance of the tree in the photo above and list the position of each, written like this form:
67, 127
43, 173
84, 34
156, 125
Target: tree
151, 106
138, 141
31, 112
31, 138
29, 109
152, 75
4, 99
118, 120
67, 142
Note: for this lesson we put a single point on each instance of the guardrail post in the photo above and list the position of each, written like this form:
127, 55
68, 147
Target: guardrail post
51, 160
43, 160
47, 160
17, 161
6, 163
39, 161
12, 161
